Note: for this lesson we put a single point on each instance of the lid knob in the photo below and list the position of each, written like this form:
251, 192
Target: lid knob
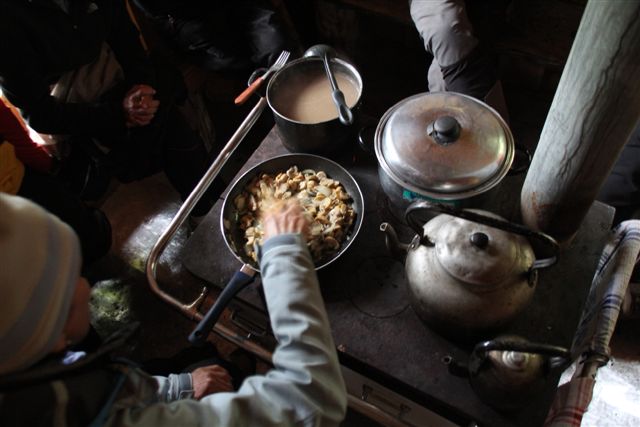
444, 130
479, 240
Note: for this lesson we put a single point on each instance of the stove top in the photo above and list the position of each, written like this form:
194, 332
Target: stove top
373, 324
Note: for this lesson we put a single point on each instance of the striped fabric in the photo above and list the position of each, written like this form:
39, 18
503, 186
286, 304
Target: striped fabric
571, 402
608, 288
599, 317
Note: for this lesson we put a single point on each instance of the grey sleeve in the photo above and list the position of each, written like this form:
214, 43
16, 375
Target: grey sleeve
174, 387
305, 387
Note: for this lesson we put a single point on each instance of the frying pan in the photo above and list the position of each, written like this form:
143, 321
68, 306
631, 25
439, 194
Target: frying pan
234, 236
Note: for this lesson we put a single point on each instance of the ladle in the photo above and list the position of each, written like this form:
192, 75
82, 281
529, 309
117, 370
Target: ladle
326, 52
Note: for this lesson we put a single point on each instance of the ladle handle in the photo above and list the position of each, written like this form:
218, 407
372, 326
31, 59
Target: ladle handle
511, 227
521, 161
344, 112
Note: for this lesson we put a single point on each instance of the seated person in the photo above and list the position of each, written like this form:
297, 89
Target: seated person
77, 70
219, 44
45, 312
222, 36
25, 170
461, 63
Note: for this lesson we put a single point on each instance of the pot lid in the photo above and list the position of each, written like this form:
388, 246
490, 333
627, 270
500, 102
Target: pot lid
444, 144
478, 254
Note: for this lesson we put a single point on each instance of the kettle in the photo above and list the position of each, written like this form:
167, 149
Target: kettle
508, 371
469, 272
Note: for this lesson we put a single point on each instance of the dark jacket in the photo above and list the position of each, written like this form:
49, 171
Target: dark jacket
39, 42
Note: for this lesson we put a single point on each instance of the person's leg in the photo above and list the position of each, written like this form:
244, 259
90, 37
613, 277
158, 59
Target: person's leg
465, 65
435, 78
265, 33
86, 170
186, 161
91, 225
621, 189
444, 28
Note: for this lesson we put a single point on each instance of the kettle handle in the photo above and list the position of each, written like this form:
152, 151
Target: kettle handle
560, 356
511, 227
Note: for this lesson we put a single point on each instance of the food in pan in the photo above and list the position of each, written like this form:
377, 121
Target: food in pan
324, 200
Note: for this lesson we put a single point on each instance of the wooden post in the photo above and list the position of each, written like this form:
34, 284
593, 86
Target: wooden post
595, 109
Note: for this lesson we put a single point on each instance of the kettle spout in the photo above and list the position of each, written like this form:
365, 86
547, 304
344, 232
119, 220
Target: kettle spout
398, 250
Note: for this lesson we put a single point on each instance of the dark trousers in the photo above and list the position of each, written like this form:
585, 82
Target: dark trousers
167, 144
90, 224
621, 189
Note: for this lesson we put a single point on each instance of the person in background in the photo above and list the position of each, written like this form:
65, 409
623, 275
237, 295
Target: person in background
218, 46
228, 37
45, 312
26, 170
461, 62
621, 189
77, 69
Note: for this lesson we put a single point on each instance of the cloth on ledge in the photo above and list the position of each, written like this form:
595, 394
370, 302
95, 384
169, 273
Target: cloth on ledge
599, 317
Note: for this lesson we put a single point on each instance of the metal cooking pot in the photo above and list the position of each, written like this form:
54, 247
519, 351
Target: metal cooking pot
445, 147
325, 136
234, 236
469, 272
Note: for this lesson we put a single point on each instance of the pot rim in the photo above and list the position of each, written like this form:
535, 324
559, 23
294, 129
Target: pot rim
483, 187
271, 164
352, 69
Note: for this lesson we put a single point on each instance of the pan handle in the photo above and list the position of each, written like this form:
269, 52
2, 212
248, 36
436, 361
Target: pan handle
240, 280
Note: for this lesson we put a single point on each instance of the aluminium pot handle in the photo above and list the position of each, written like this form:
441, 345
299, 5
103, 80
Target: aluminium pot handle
240, 280
511, 227
521, 161
366, 138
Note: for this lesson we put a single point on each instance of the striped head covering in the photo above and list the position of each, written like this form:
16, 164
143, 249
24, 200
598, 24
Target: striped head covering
40, 265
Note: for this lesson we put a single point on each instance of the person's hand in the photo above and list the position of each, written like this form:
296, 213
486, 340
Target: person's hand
284, 217
210, 379
139, 106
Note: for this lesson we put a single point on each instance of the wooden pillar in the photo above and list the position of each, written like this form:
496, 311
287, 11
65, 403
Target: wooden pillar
594, 111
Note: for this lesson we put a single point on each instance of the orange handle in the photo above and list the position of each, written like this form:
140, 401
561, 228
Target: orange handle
248, 91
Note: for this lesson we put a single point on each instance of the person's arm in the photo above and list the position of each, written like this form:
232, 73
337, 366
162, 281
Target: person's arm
26, 88
27, 151
202, 382
26, 85
139, 104
174, 387
306, 387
